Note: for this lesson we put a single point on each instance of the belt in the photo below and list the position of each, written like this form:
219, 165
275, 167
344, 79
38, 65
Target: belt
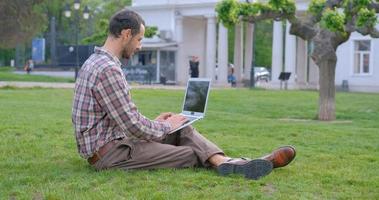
101, 152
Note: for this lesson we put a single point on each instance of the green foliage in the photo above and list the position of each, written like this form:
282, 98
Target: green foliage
99, 37
151, 31
6, 55
249, 9
285, 6
316, 6
289, 8
53, 8
108, 8
20, 21
366, 18
275, 4
333, 20
228, 12
104, 11
361, 3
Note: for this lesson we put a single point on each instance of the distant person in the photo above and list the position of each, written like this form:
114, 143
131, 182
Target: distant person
29, 66
194, 66
231, 77
111, 133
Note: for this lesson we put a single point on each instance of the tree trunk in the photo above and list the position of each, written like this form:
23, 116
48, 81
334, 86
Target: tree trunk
327, 109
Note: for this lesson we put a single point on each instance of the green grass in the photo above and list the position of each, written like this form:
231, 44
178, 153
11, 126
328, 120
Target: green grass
6, 74
6, 69
339, 160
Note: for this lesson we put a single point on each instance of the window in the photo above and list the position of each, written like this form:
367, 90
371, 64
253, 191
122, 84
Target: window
362, 51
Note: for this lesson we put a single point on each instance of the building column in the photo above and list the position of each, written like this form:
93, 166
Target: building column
277, 54
248, 51
158, 76
181, 72
211, 47
290, 56
238, 49
222, 56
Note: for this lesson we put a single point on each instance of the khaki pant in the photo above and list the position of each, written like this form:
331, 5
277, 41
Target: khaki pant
185, 148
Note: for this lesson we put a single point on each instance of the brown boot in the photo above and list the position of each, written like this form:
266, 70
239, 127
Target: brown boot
281, 156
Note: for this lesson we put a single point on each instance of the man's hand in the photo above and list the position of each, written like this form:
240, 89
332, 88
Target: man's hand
163, 116
176, 121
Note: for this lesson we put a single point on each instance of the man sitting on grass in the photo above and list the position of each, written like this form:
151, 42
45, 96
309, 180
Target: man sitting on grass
111, 133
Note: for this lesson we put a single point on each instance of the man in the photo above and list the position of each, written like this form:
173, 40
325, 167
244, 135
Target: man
111, 133
194, 67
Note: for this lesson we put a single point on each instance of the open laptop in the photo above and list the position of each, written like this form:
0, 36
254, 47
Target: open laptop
195, 100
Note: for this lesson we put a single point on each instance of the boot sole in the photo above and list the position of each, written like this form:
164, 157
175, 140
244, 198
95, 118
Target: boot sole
253, 169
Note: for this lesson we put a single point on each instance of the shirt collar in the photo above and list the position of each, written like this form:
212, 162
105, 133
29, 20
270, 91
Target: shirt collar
101, 50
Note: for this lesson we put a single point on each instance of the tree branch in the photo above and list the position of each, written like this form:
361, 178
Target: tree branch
350, 25
306, 28
263, 16
374, 6
330, 4
373, 32
300, 27
303, 27
333, 3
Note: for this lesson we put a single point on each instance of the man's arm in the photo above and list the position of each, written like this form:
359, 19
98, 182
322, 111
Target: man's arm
112, 93
175, 120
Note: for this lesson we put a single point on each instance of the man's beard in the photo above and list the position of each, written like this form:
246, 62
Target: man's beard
125, 54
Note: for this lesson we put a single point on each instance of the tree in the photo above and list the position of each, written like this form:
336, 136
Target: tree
327, 24
105, 9
20, 21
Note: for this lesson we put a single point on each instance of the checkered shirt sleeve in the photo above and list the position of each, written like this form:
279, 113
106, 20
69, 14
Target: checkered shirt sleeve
113, 95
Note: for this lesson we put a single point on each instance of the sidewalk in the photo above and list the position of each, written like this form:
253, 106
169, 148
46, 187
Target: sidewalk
64, 74
72, 85
19, 84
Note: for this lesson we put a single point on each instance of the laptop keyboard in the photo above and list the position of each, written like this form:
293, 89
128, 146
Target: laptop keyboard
191, 118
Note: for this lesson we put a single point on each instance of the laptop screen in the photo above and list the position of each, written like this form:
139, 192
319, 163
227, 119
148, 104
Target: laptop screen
196, 96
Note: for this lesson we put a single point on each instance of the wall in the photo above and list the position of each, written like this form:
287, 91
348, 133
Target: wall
163, 19
162, 2
344, 70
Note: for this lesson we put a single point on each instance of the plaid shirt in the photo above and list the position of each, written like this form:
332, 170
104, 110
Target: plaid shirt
103, 109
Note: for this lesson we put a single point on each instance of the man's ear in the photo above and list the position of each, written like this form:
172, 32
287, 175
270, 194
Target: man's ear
126, 33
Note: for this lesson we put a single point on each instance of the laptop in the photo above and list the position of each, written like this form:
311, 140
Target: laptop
195, 100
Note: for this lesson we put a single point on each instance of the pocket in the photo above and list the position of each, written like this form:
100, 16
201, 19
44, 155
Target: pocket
120, 155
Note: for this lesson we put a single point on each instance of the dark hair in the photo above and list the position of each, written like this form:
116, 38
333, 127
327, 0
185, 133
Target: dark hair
125, 19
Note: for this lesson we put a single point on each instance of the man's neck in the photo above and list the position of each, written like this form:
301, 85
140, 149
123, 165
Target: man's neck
112, 45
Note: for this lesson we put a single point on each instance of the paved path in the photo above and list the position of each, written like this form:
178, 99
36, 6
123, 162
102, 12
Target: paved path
71, 85
19, 84
65, 74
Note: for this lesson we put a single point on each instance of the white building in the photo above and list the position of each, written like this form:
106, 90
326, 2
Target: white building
187, 28
190, 28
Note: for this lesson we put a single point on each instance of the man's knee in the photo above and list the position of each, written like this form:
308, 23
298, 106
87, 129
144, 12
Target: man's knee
187, 130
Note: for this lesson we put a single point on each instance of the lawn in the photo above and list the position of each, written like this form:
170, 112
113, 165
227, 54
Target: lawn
335, 160
7, 75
